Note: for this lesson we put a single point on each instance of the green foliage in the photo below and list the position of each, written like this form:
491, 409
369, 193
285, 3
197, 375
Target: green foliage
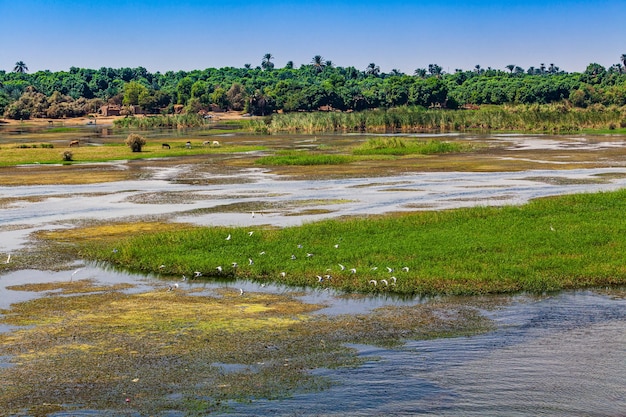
265, 89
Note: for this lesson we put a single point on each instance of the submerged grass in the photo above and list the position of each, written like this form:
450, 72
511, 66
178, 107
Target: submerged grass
549, 244
161, 351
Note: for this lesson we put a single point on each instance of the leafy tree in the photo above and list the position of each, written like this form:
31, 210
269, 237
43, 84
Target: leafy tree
20, 67
236, 97
132, 92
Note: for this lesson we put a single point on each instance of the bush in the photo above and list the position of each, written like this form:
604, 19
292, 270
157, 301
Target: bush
136, 142
67, 156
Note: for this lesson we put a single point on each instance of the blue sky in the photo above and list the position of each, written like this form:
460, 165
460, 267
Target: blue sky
163, 35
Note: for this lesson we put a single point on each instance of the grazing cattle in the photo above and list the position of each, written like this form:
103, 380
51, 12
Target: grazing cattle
74, 143
215, 143
210, 143
188, 145
165, 146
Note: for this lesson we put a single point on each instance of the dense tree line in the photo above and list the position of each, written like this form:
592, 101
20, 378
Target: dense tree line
320, 84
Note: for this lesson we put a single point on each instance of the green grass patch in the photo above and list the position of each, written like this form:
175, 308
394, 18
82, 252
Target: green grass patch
32, 154
549, 244
398, 147
304, 158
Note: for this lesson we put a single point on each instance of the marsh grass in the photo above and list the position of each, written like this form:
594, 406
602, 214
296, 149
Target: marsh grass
548, 118
546, 245
398, 147
304, 158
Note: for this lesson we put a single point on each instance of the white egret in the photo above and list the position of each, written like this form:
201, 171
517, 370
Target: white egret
240, 291
353, 271
282, 274
393, 280
319, 278
234, 264
219, 269
262, 253
373, 282
197, 274
342, 267
405, 269
337, 246
228, 237
250, 233
309, 255
389, 269
250, 261
384, 281
374, 268
293, 257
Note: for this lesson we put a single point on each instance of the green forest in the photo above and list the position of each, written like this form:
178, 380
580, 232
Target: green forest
264, 89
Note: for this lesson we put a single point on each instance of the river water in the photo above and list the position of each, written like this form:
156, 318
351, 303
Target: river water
555, 355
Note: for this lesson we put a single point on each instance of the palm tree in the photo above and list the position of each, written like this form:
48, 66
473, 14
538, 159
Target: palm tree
372, 69
20, 67
420, 72
510, 67
396, 72
623, 59
318, 63
267, 63
247, 66
435, 70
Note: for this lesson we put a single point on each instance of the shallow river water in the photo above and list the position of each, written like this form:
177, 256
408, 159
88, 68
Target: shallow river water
556, 355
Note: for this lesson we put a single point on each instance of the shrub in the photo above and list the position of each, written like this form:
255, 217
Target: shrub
67, 156
135, 142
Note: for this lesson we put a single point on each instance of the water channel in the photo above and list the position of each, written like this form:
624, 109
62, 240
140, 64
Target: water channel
552, 354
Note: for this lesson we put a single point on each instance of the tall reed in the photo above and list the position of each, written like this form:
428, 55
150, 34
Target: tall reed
549, 118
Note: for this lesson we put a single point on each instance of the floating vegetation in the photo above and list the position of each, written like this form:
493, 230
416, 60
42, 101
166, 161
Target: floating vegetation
159, 351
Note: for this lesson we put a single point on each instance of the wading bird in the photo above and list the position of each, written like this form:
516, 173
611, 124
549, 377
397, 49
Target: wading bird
342, 267
228, 237
405, 269
373, 282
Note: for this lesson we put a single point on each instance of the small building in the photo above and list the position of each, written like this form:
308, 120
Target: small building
110, 110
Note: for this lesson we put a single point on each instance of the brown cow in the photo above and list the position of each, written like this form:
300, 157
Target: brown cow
74, 143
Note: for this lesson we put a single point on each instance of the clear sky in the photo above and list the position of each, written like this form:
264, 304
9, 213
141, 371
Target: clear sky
163, 35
